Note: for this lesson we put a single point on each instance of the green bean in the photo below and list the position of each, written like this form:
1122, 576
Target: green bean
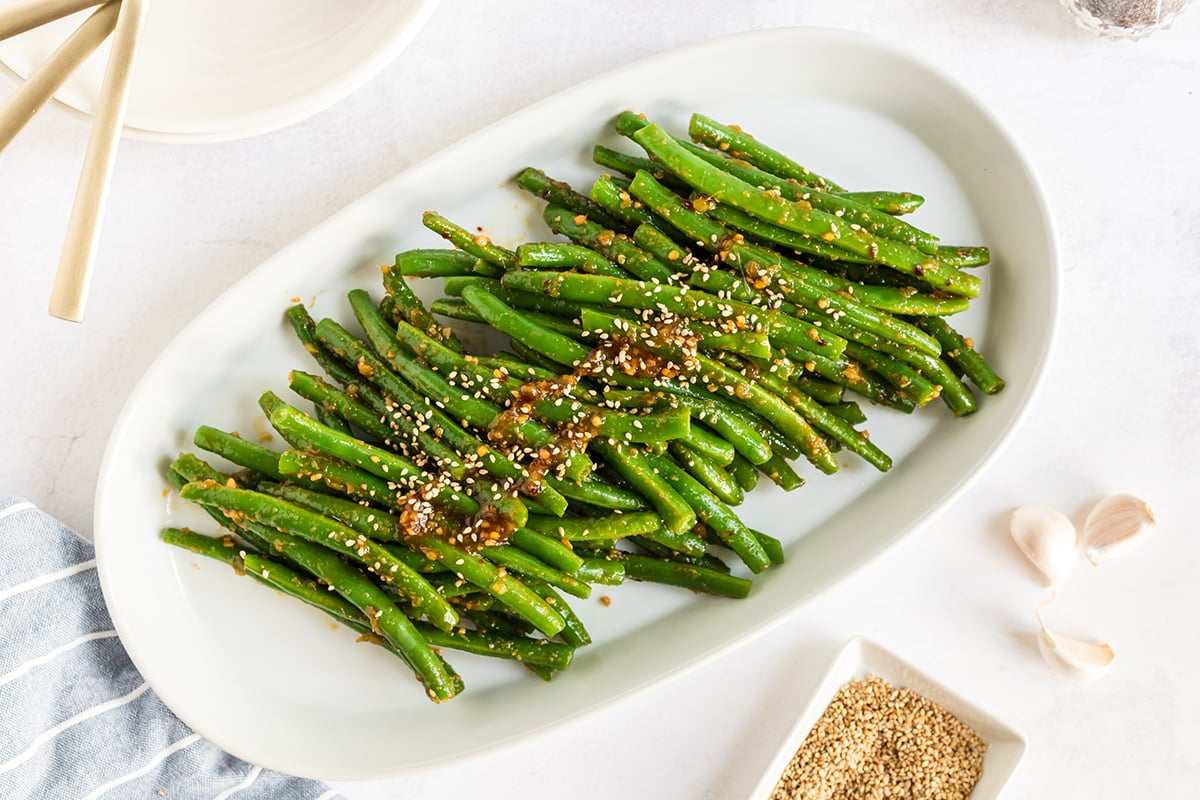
305, 329
537, 359
771, 235
188, 468
475, 411
907, 380
526, 565
316, 390
713, 513
669, 425
431, 424
604, 571
500, 623
629, 165
561, 349
960, 352
412, 310
955, 394
612, 526
516, 366
685, 543
714, 447
773, 546
708, 472
455, 309
653, 239
784, 331
553, 255
324, 531
559, 193
799, 216
781, 472
613, 195
812, 289
897, 300
895, 203
351, 584
418, 562
819, 389
822, 420
687, 576
221, 548
379, 462
849, 411
429, 263
387, 619
751, 345
477, 245
616, 249
598, 493
548, 549
238, 450
742, 145
802, 285
637, 468
701, 558
743, 472
750, 394
330, 419
530, 652
342, 478
368, 520
955, 256
507, 589
839, 205
740, 434
573, 633
859, 379
608, 195
530, 301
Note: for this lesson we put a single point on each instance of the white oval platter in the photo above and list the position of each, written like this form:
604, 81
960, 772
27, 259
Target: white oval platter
277, 684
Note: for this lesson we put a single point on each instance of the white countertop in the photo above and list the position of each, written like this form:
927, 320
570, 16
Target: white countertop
1111, 127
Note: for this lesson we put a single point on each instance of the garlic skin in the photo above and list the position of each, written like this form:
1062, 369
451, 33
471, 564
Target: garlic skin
1048, 539
1078, 659
1116, 526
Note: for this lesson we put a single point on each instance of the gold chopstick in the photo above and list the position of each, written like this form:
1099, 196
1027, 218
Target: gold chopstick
22, 104
68, 298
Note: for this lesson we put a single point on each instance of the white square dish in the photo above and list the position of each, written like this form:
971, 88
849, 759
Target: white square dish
860, 657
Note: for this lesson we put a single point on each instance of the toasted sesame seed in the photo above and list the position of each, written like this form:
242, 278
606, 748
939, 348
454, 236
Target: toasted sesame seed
875, 741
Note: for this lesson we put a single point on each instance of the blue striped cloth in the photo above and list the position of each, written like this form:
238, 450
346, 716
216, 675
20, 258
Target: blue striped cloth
76, 718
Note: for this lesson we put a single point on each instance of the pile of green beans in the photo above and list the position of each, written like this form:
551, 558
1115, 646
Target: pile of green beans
706, 322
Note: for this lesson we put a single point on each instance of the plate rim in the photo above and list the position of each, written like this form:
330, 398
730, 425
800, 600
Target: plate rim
307, 105
760, 626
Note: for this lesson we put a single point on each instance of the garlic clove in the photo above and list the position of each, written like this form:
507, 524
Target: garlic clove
1117, 525
1048, 539
1075, 657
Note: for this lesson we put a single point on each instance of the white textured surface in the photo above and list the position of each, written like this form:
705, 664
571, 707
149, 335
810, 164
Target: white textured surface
1111, 127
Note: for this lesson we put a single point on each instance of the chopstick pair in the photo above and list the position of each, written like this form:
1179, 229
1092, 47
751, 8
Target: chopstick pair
123, 20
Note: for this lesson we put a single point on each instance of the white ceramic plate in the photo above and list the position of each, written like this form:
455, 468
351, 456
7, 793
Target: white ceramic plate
859, 658
273, 682
209, 70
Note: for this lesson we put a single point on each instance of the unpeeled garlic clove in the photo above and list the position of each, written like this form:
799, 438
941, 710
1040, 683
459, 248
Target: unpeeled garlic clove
1117, 525
1077, 658
1048, 539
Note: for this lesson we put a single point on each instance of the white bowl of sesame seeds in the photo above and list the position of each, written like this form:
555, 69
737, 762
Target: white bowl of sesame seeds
878, 727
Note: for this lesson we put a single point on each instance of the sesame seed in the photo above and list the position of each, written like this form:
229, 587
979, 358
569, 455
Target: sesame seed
875, 741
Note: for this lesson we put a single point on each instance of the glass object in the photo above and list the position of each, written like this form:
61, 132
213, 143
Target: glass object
1125, 19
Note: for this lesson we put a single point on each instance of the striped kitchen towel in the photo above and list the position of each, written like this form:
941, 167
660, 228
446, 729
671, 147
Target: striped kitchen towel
76, 718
